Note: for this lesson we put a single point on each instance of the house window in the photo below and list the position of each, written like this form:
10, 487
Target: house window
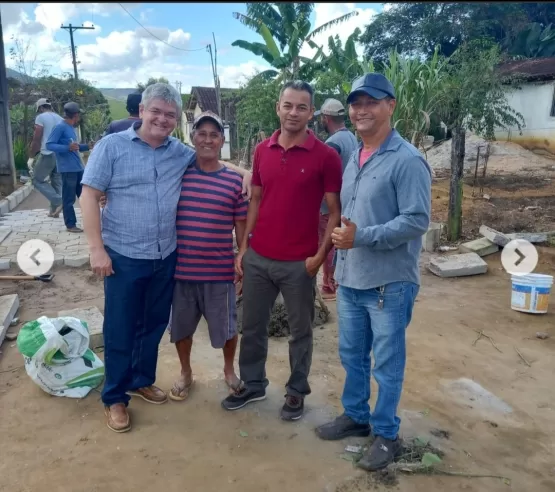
553, 103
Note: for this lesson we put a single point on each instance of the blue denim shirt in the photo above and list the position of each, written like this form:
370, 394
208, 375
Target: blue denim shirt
67, 161
389, 200
142, 187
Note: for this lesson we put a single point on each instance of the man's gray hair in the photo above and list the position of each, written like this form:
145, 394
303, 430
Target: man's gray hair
166, 93
298, 85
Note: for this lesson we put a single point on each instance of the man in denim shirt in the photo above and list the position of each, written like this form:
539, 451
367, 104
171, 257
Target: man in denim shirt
386, 201
140, 170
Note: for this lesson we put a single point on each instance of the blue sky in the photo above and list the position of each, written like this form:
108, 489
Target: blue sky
120, 53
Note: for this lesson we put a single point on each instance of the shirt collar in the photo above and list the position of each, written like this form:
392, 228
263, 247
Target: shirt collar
308, 144
390, 144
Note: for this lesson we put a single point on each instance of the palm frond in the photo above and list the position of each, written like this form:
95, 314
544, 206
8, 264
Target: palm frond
332, 23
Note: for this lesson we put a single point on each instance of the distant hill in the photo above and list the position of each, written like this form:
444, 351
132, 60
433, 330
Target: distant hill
118, 94
13, 74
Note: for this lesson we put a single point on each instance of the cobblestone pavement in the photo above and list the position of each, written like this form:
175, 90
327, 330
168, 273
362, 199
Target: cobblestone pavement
16, 227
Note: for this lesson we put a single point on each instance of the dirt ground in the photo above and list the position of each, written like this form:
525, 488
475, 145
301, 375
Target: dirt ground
195, 445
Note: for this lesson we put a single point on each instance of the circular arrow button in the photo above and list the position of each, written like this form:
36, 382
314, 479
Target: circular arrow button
35, 257
519, 257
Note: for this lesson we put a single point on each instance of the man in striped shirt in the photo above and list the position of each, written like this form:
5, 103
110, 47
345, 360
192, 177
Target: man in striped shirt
210, 206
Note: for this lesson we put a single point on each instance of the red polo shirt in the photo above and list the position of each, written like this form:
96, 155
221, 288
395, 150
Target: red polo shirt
293, 184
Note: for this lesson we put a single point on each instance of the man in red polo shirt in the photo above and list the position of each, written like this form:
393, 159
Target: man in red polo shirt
292, 172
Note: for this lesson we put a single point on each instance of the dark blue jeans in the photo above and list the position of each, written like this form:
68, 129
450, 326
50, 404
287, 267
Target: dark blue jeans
71, 188
138, 298
365, 325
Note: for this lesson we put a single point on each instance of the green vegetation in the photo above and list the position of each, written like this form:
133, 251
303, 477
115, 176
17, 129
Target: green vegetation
117, 109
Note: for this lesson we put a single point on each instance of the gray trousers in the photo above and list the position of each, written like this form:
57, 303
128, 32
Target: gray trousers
263, 280
46, 168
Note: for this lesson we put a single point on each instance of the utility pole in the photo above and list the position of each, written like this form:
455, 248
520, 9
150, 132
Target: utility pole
214, 61
7, 165
71, 29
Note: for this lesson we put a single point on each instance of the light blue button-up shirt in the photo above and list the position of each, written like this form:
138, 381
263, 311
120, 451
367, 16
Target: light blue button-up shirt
142, 187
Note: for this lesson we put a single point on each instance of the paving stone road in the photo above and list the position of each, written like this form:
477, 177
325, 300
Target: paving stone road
19, 226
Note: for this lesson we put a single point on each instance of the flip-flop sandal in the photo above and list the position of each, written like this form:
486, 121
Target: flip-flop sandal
180, 390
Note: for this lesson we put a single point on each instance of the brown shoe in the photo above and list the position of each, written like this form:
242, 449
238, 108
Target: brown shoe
152, 394
74, 229
55, 213
117, 418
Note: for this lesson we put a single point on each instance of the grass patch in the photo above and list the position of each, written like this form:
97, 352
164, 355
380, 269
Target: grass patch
117, 109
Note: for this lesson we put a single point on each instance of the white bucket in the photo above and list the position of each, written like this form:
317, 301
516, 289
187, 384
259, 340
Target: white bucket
530, 293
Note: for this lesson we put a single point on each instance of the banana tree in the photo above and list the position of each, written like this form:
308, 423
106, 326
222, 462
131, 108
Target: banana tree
285, 29
534, 42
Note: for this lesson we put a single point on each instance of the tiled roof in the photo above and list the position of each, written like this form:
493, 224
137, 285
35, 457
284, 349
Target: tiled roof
530, 69
206, 98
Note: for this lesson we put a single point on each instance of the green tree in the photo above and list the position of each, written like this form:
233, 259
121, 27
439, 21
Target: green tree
415, 29
256, 109
474, 99
151, 81
285, 29
533, 42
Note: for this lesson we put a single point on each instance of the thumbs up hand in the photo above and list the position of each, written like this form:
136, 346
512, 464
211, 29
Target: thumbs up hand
344, 237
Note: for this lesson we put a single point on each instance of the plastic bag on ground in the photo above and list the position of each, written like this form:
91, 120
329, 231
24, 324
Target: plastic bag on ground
57, 356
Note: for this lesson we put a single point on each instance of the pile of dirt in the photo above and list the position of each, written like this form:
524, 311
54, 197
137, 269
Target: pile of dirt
506, 156
279, 325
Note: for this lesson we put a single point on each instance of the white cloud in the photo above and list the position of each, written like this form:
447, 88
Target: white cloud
325, 12
387, 7
90, 32
235, 75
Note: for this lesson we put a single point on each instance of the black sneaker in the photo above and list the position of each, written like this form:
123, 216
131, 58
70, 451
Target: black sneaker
293, 408
382, 453
241, 397
342, 427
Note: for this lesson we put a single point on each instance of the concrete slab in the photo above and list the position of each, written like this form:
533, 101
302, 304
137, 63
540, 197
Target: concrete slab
471, 393
76, 261
4, 207
457, 265
532, 237
481, 246
12, 201
495, 236
8, 307
430, 240
94, 319
4, 263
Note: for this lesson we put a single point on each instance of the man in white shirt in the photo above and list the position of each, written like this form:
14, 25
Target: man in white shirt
45, 166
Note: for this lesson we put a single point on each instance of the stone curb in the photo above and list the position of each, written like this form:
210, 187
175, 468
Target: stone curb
14, 199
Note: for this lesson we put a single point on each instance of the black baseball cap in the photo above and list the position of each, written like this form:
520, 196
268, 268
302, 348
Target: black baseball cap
72, 108
373, 84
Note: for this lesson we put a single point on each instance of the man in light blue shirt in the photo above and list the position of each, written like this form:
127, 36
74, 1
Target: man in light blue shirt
64, 142
386, 202
133, 244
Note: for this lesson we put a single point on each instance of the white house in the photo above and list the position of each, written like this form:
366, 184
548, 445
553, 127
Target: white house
534, 99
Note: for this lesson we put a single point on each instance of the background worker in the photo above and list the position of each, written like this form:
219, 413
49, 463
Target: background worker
63, 141
45, 166
133, 101
332, 117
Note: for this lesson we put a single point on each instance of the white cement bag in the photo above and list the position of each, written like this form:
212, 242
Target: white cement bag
57, 356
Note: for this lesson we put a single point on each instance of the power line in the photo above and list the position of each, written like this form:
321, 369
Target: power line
154, 35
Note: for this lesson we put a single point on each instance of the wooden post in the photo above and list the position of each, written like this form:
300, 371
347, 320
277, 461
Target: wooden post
7, 165
454, 221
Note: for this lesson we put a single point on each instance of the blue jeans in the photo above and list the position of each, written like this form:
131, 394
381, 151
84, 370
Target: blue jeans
138, 298
71, 188
365, 326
